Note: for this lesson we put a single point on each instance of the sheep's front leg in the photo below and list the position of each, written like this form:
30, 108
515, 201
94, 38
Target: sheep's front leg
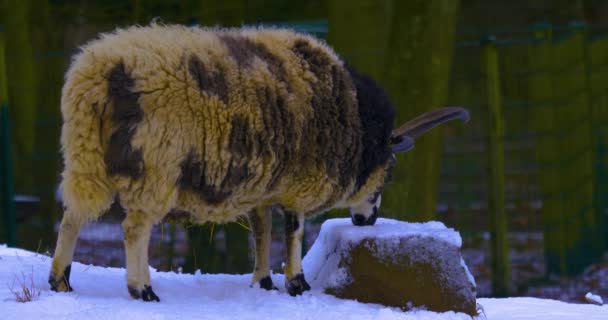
137, 227
260, 220
294, 277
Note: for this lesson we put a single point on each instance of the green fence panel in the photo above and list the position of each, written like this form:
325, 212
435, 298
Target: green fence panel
576, 174
597, 71
6, 169
496, 171
519, 153
544, 120
462, 179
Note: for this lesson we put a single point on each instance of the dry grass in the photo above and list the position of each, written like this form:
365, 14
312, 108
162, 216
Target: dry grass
24, 289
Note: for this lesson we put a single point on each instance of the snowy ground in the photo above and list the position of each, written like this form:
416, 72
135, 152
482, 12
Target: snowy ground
100, 293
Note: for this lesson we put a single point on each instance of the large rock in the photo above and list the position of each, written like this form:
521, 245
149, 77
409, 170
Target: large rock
394, 263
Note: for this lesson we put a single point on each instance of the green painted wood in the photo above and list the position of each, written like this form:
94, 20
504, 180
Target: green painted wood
562, 110
225, 13
22, 88
421, 42
358, 31
496, 171
594, 236
597, 71
6, 170
575, 151
462, 169
544, 121
519, 153
46, 35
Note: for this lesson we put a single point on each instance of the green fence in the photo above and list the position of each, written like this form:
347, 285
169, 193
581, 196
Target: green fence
548, 86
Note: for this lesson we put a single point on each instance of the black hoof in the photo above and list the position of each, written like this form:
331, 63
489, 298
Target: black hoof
266, 283
297, 285
61, 284
146, 294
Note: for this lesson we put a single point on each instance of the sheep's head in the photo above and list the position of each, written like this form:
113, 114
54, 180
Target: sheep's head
381, 143
367, 202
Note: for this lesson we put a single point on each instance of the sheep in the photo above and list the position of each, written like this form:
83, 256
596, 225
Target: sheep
221, 123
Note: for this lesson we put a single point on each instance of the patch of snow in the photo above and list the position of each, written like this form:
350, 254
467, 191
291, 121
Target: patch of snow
100, 293
540, 309
100, 231
26, 198
595, 299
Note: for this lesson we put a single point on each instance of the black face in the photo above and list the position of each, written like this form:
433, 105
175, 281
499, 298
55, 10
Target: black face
377, 115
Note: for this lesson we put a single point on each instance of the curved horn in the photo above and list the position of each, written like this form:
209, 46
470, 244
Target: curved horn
423, 123
429, 120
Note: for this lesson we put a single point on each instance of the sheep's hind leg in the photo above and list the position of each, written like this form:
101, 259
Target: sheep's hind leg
260, 220
294, 277
137, 228
59, 279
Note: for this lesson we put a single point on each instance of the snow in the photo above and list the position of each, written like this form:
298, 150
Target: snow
592, 298
100, 293
321, 261
25, 198
540, 309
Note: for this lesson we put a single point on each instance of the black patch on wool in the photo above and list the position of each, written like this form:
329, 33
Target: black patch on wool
239, 143
192, 178
291, 224
377, 115
211, 82
194, 170
120, 157
279, 124
342, 87
335, 138
243, 50
316, 58
277, 120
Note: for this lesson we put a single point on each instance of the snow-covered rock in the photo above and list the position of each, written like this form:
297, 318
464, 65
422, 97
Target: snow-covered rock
595, 299
394, 263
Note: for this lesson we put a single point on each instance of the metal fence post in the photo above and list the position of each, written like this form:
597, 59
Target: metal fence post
496, 170
6, 170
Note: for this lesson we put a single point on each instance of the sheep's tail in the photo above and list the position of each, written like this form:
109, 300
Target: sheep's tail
86, 188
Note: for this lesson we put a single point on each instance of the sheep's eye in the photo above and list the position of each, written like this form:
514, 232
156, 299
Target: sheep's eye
374, 197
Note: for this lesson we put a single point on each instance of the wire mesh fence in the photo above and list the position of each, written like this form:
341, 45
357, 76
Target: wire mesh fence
553, 108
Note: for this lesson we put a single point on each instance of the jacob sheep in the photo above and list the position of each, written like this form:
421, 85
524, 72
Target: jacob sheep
221, 123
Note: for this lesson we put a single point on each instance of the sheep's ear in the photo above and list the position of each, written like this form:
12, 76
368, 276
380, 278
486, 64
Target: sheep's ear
402, 138
402, 144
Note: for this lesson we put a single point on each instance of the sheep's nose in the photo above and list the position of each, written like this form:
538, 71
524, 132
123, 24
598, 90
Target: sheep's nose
359, 220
